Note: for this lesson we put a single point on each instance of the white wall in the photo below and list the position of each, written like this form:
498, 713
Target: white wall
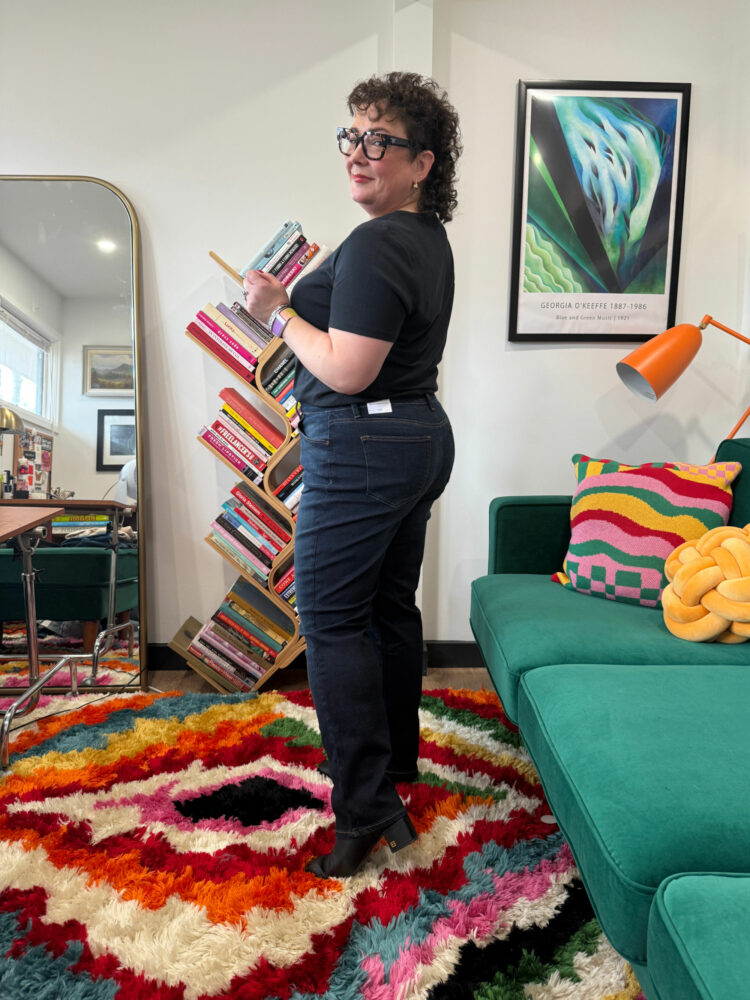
97, 323
217, 122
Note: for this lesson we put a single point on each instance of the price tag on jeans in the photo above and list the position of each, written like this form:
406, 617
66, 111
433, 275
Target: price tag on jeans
381, 406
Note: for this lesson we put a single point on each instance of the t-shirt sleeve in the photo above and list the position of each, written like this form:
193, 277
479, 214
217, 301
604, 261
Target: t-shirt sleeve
371, 292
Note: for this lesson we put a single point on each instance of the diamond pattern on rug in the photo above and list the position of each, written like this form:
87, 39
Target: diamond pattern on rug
139, 858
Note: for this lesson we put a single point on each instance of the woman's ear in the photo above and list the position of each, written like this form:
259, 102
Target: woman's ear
423, 162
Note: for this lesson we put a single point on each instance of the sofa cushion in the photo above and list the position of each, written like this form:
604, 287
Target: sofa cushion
626, 519
521, 621
698, 937
642, 767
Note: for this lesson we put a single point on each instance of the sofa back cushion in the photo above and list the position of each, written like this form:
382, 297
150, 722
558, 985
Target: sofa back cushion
626, 520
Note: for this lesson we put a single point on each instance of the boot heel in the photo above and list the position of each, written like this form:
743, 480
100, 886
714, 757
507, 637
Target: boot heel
400, 834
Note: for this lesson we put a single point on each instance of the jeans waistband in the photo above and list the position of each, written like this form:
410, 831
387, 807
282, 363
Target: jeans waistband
361, 409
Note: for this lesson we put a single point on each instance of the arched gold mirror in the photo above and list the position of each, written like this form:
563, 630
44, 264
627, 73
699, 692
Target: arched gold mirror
70, 348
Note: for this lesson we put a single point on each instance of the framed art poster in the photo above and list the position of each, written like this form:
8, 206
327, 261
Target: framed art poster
597, 221
108, 371
115, 439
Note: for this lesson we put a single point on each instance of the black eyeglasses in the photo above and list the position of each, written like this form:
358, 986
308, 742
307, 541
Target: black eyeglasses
374, 144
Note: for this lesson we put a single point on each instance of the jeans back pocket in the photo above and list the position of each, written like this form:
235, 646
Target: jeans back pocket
397, 468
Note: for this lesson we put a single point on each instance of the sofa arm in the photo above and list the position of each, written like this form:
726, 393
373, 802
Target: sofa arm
528, 534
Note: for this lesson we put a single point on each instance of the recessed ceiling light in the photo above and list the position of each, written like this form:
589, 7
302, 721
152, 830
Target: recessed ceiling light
106, 246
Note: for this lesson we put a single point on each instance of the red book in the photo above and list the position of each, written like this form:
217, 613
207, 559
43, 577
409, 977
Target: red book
285, 580
220, 616
240, 405
289, 478
219, 352
239, 444
256, 509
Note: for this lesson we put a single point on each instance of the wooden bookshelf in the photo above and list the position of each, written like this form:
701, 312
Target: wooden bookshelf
278, 466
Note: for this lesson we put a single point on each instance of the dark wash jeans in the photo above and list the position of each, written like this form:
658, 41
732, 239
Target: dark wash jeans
370, 481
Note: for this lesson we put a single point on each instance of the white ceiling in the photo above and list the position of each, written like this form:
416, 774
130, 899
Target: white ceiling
52, 226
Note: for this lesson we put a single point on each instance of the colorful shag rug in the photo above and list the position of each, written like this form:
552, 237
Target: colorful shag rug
153, 846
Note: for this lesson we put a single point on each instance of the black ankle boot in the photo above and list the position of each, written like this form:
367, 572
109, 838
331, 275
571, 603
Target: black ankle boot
350, 853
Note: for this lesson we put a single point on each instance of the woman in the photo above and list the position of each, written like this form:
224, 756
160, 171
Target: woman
368, 328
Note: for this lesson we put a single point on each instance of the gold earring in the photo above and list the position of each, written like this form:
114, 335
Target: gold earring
415, 186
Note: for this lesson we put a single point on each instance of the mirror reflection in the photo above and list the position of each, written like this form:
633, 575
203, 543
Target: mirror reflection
67, 371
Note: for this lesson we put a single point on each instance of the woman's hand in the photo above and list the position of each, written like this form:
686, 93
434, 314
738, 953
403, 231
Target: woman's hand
263, 293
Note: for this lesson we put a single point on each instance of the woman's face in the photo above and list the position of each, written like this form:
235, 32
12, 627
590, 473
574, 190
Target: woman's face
385, 185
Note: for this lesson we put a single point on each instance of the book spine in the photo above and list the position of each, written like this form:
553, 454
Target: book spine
226, 616
200, 649
270, 537
291, 249
218, 351
230, 343
296, 267
271, 382
269, 249
288, 376
292, 501
288, 480
242, 429
286, 578
233, 541
244, 539
299, 252
249, 649
249, 428
234, 554
229, 326
264, 428
236, 442
323, 253
255, 338
252, 323
223, 449
269, 547
264, 627
242, 661
259, 512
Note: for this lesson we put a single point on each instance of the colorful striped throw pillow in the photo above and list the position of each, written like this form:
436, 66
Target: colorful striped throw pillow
626, 519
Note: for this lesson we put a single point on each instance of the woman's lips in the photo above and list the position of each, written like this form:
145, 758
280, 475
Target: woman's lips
359, 178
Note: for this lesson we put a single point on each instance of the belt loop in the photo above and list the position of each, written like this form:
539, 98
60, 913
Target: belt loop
355, 409
431, 401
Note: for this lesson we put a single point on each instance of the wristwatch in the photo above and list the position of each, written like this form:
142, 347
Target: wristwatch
279, 318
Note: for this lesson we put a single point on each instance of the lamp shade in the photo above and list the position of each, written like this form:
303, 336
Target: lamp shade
653, 367
10, 422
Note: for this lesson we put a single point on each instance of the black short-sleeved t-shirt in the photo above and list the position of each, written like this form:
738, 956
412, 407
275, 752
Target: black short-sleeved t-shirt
392, 279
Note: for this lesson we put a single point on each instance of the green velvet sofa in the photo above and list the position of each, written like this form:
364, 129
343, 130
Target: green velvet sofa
72, 584
641, 742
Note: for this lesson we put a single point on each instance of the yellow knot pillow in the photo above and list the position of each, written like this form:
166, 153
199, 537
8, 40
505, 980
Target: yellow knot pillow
708, 595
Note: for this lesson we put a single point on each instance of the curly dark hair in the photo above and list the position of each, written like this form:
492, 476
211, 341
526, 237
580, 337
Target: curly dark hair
429, 119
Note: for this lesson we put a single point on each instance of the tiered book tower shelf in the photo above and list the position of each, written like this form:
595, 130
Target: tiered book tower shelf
283, 461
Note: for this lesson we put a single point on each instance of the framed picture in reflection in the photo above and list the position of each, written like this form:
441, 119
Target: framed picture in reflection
115, 439
108, 371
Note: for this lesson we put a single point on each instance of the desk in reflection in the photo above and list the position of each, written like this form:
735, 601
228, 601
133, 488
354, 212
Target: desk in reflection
81, 580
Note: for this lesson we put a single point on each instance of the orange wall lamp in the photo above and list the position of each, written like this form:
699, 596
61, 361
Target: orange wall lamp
652, 368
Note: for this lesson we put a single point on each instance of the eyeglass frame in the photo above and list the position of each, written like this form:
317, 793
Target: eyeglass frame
388, 140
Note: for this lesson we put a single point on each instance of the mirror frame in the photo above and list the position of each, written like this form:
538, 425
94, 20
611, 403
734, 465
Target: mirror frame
138, 407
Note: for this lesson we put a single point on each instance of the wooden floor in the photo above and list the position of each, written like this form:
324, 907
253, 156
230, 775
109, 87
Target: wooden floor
293, 679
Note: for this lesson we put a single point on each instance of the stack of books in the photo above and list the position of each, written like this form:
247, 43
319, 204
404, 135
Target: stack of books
290, 490
242, 436
285, 587
250, 532
68, 524
232, 335
279, 383
240, 641
288, 255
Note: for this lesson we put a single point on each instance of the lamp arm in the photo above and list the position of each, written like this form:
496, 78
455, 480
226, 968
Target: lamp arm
709, 319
